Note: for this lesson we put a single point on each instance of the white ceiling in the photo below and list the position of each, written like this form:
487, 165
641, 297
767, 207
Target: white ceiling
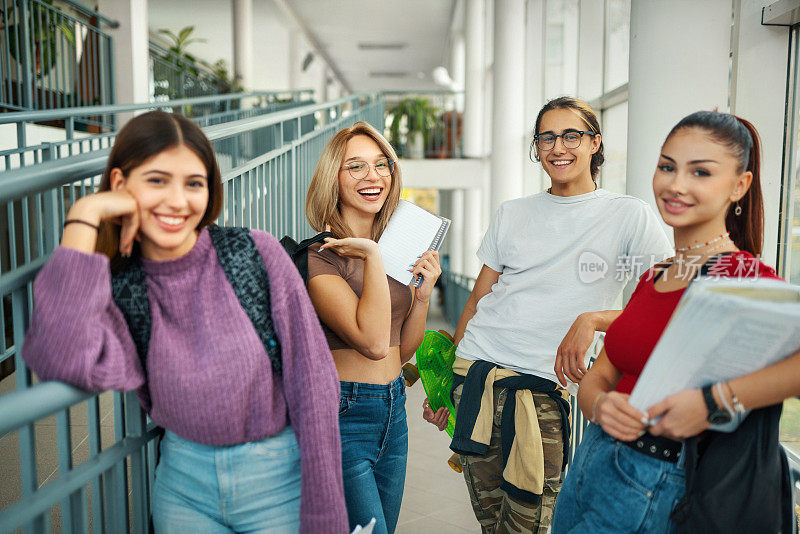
340, 25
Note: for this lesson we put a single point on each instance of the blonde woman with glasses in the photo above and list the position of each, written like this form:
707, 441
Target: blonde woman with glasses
372, 322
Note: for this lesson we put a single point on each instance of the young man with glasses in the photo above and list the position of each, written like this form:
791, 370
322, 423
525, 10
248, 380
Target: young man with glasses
547, 259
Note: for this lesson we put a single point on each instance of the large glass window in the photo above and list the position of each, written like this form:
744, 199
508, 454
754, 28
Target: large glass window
615, 143
618, 29
789, 236
595, 35
561, 48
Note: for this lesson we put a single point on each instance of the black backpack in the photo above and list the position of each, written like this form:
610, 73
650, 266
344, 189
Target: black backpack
738, 481
245, 270
299, 251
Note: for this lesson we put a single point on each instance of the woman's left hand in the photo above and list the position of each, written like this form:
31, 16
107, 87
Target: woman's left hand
428, 266
684, 415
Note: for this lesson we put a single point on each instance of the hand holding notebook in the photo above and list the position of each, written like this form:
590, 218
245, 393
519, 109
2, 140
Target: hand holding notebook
411, 232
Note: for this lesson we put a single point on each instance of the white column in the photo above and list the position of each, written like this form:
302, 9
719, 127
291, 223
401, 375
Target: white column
508, 125
456, 231
474, 74
474, 79
296, 50
760, 54
443, 210
534, 90
473, 230
243, 42
691, 41
590, 50
131, 49
458, 68
322, 89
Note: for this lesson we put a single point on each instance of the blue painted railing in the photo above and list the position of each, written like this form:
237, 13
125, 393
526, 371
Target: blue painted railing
206, 111
50, 58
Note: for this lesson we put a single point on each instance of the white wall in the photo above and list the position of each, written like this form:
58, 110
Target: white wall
34, 135
271, 47
762, 54
534, 97
213, 21
690, 73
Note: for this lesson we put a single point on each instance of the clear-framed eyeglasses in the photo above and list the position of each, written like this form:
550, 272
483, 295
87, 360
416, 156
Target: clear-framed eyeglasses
360, 169
547, 140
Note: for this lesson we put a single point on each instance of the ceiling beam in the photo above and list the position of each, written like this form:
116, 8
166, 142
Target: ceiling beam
283, 4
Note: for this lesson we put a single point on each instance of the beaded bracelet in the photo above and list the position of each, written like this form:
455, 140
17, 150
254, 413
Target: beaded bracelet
725, 404
81, 221
738, 407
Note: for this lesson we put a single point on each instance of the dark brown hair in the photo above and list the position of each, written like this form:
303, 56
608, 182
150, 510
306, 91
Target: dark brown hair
742, 139
589, 118
144, 137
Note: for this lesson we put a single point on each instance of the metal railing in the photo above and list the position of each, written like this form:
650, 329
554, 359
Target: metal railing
50, 59
424, 124
206, 111
174, 76
456, 289
262, 190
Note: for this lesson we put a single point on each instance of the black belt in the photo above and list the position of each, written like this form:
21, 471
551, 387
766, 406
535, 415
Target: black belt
656, 447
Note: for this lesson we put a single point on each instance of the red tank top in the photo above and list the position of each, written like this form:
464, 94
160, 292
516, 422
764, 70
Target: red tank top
632, 337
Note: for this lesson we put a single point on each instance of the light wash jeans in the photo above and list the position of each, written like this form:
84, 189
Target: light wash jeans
612, 488
252, 487
374, 433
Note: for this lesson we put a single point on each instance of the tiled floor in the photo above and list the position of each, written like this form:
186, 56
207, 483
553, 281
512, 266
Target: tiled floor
435, 498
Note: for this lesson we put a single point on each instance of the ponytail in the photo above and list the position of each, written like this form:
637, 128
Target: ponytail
747, 229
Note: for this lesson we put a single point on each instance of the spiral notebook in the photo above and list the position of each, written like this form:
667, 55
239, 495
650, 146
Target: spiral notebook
411, 231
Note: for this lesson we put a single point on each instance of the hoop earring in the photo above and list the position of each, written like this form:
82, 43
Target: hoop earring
738, 209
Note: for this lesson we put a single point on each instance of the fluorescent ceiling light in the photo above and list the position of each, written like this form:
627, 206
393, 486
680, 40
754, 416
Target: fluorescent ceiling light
381, 46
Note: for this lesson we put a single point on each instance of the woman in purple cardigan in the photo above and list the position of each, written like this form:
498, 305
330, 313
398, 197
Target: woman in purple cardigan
230, 459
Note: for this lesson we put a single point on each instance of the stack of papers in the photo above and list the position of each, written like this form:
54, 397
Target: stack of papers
722, 328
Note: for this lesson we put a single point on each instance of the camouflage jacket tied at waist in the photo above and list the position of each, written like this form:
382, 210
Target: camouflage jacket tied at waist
523, 456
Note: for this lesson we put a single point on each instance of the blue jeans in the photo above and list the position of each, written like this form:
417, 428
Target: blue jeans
372, 424
252, 487
612, 488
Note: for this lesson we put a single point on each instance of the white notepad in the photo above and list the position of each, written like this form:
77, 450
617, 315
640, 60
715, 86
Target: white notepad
411, 231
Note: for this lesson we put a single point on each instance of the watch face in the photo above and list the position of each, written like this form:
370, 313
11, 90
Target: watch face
719, 417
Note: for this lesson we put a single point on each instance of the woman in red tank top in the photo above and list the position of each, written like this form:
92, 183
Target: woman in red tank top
628, 476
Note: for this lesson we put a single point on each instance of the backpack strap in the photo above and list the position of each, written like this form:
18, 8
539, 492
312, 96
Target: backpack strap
245, 270
705, 269
129, 290
299, 251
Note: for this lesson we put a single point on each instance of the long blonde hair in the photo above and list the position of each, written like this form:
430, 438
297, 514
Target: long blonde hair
322, 200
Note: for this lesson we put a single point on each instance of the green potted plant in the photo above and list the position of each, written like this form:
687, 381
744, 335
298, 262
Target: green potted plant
418, 118
180, 42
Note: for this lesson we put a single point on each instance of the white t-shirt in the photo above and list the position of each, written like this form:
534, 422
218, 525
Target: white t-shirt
557, 257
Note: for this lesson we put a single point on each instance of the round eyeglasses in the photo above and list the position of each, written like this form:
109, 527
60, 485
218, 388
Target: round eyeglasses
547, 140
360, 169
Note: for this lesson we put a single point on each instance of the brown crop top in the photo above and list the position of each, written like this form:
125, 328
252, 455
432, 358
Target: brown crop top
352, 270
